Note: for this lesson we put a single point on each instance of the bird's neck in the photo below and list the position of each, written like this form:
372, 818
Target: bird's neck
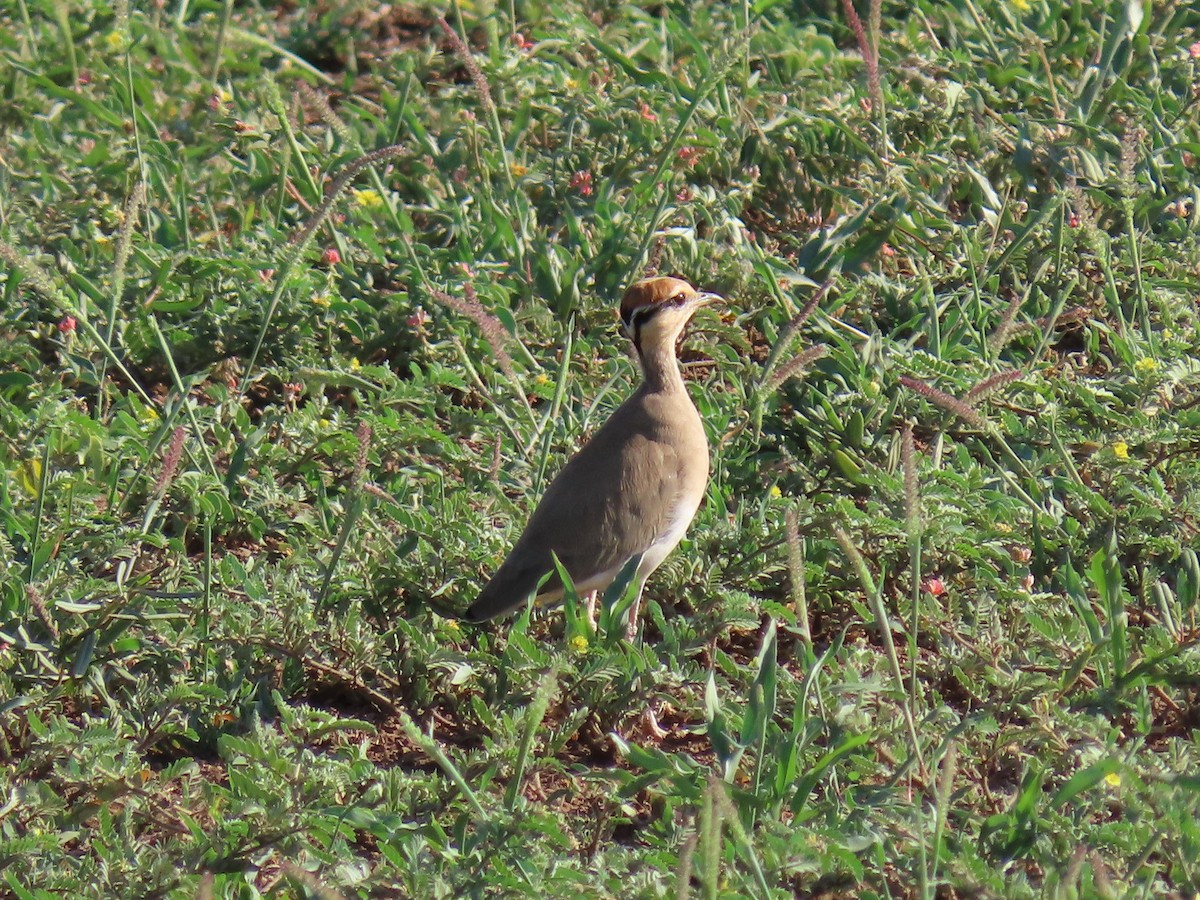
660, 369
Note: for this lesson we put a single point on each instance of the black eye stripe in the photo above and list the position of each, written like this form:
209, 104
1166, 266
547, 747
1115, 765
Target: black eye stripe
641, 315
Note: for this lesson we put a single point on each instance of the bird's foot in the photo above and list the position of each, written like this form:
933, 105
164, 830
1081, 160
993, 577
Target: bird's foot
650, 723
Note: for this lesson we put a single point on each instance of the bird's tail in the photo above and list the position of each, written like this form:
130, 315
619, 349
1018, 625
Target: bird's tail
508, 590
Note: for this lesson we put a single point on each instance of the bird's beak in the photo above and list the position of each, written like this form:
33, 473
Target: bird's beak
703, 299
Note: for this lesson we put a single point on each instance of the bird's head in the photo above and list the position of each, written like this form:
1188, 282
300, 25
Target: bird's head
654, 311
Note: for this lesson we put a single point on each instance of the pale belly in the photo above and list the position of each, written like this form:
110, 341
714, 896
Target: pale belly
681, 518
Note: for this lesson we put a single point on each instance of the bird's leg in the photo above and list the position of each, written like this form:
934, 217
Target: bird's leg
631, 627
589, 608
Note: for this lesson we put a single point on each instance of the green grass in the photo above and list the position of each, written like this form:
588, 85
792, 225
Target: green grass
302, 307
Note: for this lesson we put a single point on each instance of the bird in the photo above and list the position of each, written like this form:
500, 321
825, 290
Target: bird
633, 489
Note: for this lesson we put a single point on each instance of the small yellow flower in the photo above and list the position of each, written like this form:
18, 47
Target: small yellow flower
518, 170
1145, 365
149, 415
1168, 334
355, 365
776, 493
572, 84
543, 378
452, 624
1022, 5
1112, 779
115, 41
1120, 450
115, 215
579, 643
322, 300
368, 199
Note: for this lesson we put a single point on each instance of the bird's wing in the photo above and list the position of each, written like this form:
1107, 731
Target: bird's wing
611, 501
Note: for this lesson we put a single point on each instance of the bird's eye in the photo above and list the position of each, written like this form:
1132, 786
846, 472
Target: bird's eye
678, 299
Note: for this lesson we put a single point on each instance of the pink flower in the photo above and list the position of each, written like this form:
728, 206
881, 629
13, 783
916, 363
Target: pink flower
66, 325
1194, 50
330, 256
933, 586
646, 112
522, 42
582, 182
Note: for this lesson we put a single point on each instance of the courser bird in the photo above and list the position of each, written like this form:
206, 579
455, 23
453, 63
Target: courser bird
633, 488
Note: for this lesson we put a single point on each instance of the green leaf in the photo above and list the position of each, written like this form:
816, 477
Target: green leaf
1084, 780
809, 779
